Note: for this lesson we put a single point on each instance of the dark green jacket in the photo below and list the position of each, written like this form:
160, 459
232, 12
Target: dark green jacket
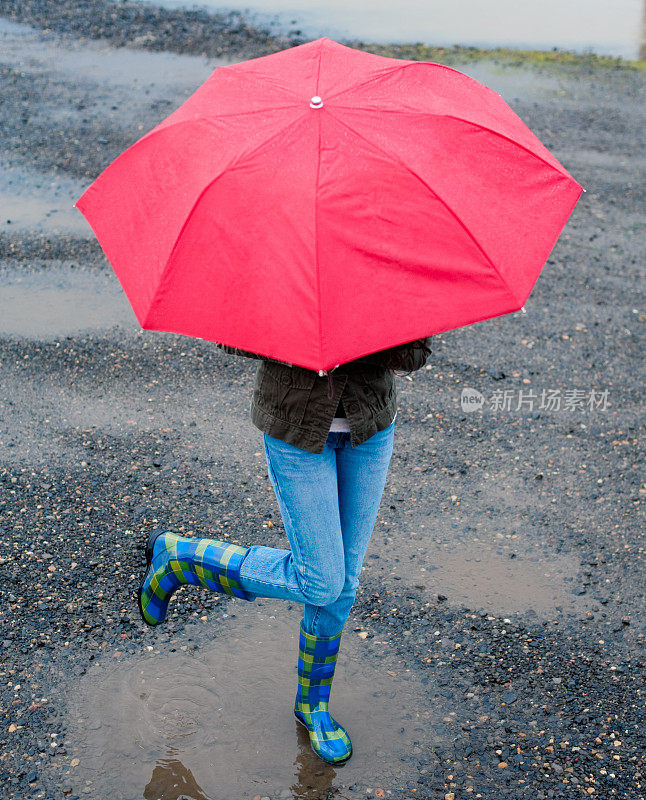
297, 405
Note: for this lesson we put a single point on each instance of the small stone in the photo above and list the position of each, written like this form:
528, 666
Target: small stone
496, 374
502, 765
75, 762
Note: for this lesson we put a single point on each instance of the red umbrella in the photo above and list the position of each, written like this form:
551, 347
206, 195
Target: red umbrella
322, 203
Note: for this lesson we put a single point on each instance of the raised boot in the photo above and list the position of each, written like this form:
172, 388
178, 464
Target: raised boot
172, 561
316, 664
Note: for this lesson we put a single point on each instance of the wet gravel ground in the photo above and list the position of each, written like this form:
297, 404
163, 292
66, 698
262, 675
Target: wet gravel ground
195, 31
105, 433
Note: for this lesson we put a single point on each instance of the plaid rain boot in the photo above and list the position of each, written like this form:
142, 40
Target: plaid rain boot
172, 561
316, 663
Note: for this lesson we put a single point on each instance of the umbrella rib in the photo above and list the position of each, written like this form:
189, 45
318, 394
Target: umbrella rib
243, 113
234, 163
565, 174
435, 194
372, 78
193, 120
264, 78
316, 215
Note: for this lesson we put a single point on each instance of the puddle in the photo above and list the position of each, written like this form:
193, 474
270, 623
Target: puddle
214, 719
490, 553
613, 28
105, 86
520, 83
60, 301
159, 74
481, 579
477, 577
35, 202
122, 88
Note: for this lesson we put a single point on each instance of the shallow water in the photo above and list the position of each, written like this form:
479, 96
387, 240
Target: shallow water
212, 718
118, 86
480, 576
32, 201
487, 553
56, 302
616, 28
93, 60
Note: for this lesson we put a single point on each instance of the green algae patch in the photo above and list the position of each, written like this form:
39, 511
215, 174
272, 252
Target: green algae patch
508, 56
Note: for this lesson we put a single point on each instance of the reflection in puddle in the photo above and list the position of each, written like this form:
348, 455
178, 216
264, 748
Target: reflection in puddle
211, 715
313, 779
172, 781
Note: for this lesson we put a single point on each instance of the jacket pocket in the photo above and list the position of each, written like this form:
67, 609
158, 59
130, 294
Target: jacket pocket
375, 390
283, 391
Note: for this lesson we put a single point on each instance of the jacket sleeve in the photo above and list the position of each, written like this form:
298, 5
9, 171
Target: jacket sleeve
408, 357
236, 351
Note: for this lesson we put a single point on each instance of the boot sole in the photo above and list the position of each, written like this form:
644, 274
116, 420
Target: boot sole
150, 543
332, 763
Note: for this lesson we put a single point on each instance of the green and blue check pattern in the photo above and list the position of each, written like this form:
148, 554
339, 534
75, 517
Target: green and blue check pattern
316, 663
173, 561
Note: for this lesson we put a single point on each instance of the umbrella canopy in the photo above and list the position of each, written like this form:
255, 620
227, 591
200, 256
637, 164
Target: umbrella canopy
322, 203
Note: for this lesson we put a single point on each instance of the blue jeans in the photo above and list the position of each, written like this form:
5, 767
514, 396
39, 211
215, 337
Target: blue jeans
329, 503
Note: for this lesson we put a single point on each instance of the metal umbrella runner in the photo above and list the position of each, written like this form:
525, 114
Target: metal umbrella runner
322, 203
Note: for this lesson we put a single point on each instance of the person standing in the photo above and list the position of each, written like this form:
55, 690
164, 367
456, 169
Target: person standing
328, 439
